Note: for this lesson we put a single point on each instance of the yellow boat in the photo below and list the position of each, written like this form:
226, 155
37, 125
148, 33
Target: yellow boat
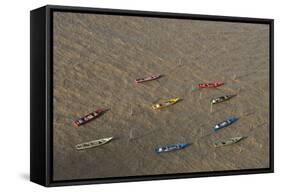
165, 103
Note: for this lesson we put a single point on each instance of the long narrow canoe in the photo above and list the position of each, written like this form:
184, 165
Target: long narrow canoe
210, 85
165, 103
150, 78
172, 147
222, 99
94, 143
221, 143
89, 117
225, 123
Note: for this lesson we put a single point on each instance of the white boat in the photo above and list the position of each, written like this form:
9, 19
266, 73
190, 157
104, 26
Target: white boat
94, 143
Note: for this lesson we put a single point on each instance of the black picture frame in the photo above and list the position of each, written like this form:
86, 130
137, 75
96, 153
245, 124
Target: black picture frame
41, 94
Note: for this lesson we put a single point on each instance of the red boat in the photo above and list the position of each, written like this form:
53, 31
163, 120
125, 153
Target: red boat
209, 85
89, 117
150, 78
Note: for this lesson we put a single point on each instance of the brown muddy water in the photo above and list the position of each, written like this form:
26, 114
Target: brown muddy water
98, 57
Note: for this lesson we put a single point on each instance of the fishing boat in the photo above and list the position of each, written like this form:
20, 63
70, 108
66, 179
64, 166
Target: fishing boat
172, 147
150, 78
94, 143
225, 123
165, 103
221, 99
209, 85
221, 143
89, 117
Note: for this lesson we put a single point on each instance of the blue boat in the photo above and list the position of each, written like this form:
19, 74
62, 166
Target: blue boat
172, 147
225, 123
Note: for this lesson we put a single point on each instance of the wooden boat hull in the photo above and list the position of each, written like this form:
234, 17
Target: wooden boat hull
225, 123
94, 143
165, 103
89, 117
221, 99
209, 85
230, 141
150, 78
169, 148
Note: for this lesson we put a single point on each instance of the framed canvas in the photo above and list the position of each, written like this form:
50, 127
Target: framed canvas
119, 95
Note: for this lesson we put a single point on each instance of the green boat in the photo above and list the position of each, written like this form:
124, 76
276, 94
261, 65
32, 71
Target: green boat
221, 143
221, 99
